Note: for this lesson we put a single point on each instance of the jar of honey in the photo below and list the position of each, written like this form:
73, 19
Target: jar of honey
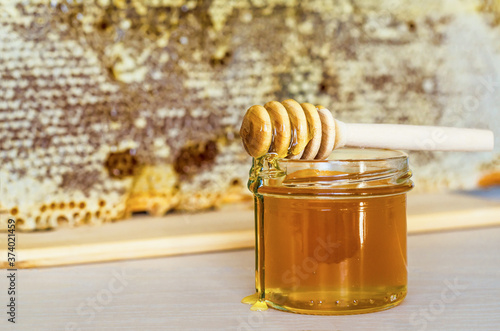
331, 234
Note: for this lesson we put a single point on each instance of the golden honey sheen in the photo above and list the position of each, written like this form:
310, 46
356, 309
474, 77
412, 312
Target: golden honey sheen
331, 241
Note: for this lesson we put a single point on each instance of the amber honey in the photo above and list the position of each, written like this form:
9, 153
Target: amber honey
331, 235
328, 254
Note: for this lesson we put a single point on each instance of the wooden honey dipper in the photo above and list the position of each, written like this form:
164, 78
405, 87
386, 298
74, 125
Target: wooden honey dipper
303, 131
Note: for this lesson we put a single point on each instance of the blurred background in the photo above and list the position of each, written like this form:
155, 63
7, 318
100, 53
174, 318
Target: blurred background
109, 107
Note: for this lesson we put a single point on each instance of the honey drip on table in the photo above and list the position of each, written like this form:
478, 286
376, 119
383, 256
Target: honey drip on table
257, 303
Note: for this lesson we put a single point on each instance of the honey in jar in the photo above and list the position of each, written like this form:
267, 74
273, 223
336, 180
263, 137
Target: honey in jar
331, 234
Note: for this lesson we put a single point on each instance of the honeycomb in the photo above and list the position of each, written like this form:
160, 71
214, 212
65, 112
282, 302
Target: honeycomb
110, 107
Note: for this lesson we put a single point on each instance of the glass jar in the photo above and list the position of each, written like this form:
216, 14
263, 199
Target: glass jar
331, 235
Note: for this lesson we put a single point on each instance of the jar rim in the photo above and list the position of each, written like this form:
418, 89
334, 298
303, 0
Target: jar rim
348, 171
372, 155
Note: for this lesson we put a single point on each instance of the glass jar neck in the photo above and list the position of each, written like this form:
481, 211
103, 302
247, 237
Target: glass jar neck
347, 172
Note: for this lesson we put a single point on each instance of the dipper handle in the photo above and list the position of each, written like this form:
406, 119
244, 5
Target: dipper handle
415, 137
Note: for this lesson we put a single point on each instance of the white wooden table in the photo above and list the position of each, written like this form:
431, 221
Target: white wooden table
204, 292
